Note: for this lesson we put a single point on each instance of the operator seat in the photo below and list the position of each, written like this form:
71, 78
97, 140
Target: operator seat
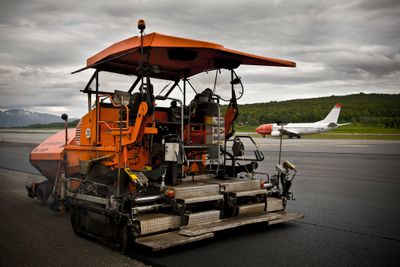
134, 103
203, 105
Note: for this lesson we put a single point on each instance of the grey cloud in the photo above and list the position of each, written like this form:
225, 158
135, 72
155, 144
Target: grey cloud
377, 5
340, 46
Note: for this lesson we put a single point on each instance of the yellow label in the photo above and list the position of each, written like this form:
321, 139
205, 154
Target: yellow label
147, 168
131, 174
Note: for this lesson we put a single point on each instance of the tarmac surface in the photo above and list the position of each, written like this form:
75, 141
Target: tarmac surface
348, 191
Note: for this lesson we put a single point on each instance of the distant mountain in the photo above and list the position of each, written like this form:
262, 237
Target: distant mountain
21, 117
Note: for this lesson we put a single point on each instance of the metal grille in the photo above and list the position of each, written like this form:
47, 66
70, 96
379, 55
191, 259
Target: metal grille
203, 217
251, 209
158, 223
196, 190
236, 186
274, 204
78, 133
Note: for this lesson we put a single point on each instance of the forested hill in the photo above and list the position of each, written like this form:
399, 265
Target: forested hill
366, 109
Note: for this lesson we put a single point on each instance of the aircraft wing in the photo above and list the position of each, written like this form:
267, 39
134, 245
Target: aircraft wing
287, 132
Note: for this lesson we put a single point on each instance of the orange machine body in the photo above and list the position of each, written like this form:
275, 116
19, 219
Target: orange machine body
100, 138
117, 136
134, 169
47, 157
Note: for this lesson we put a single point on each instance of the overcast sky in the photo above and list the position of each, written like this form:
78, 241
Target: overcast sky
340, 47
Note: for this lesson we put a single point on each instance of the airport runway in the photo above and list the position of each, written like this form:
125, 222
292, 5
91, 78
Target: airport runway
347, 189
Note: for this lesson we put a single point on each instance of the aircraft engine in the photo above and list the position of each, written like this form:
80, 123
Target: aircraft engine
275, 133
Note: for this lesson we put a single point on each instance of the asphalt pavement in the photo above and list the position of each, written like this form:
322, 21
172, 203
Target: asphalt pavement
347, 190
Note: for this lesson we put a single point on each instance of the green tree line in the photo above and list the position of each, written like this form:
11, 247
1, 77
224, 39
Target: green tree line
365, 109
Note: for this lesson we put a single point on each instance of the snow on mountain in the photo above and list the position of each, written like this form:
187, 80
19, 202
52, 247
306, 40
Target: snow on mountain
21, 117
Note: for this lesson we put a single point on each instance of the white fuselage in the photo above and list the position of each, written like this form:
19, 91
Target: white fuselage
298, 129
303, 128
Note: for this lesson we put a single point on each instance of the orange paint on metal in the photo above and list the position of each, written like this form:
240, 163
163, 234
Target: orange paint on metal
52, 148
175, 57
125, 149
137, 129
230, 116
74, 185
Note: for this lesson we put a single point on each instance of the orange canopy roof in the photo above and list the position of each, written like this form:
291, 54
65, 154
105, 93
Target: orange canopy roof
173, 58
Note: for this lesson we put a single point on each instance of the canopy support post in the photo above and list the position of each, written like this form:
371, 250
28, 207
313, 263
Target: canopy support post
138, 79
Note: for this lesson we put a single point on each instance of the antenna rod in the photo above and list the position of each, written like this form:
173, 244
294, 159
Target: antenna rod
141, 27
64, 117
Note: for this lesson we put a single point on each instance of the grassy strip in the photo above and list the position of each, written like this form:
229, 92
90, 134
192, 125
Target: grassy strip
350, 129
354, 136
339, 136
362, 129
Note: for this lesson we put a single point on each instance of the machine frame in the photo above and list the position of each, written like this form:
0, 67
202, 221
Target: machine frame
132, 171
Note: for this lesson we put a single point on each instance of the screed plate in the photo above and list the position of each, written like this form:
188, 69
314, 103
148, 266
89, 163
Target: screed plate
170, 239
240, 221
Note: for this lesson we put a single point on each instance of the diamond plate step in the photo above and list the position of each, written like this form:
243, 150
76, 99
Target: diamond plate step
204, 231
250, 193
195, 189
274, 204
202, 199
251, 209
153, 223
203, 217
234, 222
235, 185
171, 239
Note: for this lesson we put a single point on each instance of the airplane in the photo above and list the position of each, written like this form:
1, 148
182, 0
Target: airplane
298, 129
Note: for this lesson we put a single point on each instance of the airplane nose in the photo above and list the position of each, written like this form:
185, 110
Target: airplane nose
264, 129
268, 128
